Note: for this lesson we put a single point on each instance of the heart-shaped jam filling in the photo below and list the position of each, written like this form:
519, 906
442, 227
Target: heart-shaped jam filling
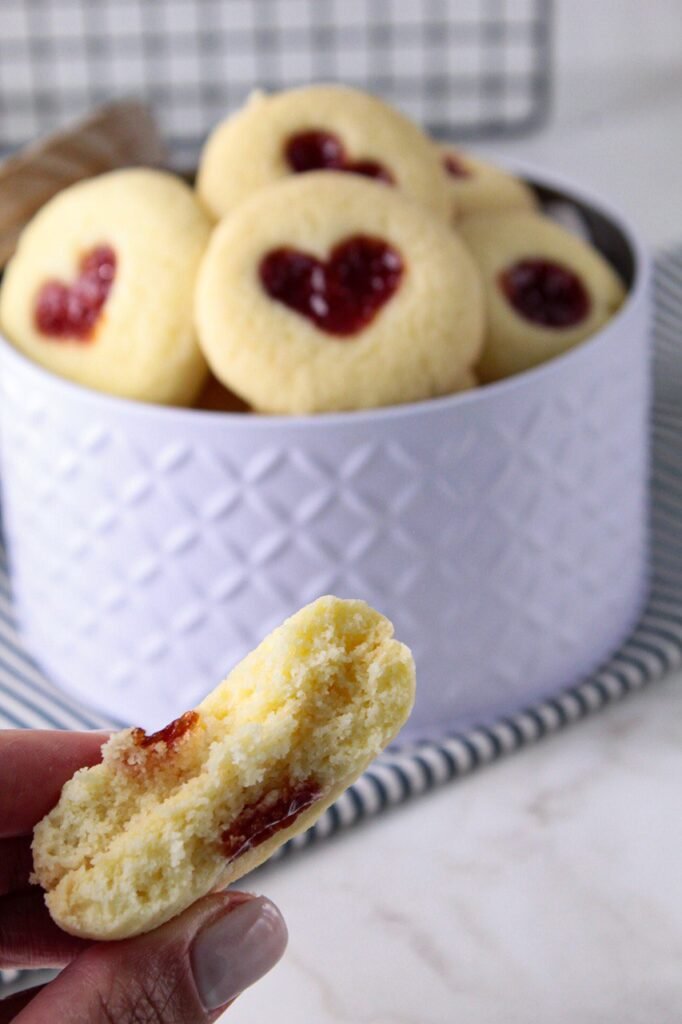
71, 311
545, 293
341, 295
454, 166
322, 151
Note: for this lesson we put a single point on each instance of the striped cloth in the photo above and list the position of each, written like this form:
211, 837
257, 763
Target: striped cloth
28, 699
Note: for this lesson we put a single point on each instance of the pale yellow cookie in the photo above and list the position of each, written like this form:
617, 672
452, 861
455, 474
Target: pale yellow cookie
168, 818
477, 186
100, 289
324, 292
313, 128
546, 290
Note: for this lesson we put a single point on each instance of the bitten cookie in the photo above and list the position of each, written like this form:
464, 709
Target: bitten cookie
100, 289
324, 292
167, 818
545, 289
320, 127
477, 186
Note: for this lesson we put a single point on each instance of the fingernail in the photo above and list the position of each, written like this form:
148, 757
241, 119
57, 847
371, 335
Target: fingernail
240, 947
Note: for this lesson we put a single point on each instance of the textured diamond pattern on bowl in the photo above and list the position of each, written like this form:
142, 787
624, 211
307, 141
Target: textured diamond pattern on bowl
503, 535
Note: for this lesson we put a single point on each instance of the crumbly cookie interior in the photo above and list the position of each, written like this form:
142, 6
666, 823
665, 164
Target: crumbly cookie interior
167, 818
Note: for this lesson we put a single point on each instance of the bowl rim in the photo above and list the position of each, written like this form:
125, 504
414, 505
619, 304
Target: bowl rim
642, 270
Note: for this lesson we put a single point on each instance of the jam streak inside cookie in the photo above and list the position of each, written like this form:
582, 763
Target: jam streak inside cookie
545, 293
171, 734
276, 811
322, 151
71, 311
454, 166
342, 295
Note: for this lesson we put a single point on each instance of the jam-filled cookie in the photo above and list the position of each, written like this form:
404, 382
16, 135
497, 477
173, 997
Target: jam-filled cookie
320, 127
166, 818
545, 289
324, 292
477, 186
100, 289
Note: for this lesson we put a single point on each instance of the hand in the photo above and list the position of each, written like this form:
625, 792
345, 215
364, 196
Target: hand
187, 971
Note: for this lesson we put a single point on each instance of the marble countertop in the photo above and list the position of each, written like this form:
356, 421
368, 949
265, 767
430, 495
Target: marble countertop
547, 887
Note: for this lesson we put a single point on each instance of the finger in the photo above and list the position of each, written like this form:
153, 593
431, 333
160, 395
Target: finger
28, 935
38, 762
188, 970
13, 1005
16, 863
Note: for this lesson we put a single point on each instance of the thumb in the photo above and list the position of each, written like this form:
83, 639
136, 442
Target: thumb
187, 970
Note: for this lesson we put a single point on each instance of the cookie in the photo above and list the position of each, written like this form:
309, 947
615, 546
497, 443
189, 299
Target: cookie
477, 186
324, 292
169, 817
546, 290
319, 127
100, 289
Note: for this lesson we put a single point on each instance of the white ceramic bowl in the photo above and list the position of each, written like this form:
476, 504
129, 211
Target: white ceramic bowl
502, 530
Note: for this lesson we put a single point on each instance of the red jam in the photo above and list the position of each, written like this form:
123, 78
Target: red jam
264, 819
545, 293
454, 166
342, 295
171, 734
321, 151
370, 169
315, 151
71, 311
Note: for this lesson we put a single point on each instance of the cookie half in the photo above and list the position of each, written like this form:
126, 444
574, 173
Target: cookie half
100, 289
324, 292
168, 817
546, 290
314, 128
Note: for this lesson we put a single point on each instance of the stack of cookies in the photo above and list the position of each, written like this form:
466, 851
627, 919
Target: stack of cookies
332, 257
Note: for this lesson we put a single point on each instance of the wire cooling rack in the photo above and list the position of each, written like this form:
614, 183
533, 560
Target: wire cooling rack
461, 67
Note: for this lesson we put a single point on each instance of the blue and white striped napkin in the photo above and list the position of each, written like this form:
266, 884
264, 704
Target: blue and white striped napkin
28, 699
